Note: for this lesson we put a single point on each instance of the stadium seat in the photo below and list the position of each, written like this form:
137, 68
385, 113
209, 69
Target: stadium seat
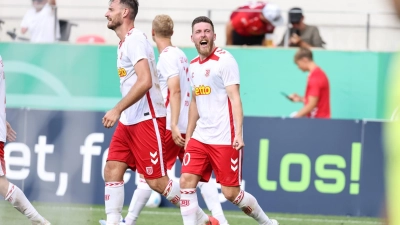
91, 39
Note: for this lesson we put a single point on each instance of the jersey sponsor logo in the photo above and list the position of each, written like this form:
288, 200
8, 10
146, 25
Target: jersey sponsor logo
121, 72
202, 90
149, 170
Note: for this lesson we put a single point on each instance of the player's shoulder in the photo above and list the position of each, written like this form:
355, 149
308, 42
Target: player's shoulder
135, 35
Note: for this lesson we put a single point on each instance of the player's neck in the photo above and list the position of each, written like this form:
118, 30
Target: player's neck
162, 43
312, 66
203, 57
122, 30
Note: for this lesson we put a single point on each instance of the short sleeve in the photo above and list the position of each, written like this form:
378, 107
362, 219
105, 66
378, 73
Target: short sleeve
317, 39
229, 71
136, 48
167, 64
314, 86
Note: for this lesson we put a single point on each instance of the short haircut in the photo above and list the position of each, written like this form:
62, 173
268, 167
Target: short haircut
133, 5
303, 53
202, 19
163, 26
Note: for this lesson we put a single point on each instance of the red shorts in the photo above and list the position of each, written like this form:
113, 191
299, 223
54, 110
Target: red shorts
172, 150
226, 162
141, 147
2, 162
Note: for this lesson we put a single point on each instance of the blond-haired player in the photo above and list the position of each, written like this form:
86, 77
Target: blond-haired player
172, 68
9, 191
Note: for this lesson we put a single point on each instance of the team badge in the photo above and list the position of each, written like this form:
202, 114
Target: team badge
149, 170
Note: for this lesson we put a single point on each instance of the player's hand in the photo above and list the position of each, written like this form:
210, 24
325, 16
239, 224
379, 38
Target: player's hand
111, 118
238, 143
11, 134
295, 97
177, 137
186, 143
295, 39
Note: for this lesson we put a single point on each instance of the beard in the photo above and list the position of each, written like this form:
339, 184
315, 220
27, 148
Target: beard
114, 24
205, 52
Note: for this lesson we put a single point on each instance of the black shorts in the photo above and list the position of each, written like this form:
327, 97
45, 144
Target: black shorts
247, 40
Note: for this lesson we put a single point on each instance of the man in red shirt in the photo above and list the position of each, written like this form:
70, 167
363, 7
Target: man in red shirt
250, 23
316, 100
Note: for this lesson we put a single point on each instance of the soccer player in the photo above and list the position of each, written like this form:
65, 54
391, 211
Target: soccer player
316, 100
214, 139
138, 140
9, 191
172, 68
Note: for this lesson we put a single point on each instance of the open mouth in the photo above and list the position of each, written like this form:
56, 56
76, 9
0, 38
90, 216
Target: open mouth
203, 43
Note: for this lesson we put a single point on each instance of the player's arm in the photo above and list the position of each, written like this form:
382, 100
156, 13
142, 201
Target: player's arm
311, 104
193, 117
237, 110
228, 32
175, 104
138, 90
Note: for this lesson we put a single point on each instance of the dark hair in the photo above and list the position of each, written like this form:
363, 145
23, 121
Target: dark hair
303, 53
132, 4
202, 19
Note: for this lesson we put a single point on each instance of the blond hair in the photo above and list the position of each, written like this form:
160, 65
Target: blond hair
163, 26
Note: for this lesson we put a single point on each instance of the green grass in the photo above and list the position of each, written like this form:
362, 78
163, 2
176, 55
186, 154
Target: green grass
63, 214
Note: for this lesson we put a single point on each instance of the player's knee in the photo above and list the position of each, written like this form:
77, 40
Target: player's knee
188, 180
114, 171
230, 193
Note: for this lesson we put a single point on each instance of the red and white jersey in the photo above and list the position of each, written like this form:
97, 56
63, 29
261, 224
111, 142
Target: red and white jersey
173, 62
3, 129
209, 79
136, 47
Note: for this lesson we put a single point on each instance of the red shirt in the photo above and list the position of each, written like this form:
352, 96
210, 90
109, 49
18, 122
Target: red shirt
318, 86
249, 23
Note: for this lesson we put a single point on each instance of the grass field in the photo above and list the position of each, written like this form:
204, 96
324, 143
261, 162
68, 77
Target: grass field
60, 214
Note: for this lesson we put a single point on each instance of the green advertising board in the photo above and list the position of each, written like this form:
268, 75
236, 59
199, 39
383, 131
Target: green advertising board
84, 77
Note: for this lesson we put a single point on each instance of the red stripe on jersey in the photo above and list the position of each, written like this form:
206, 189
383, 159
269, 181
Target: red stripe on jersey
212, 56
153, 114
167, 102
195, 60
231, 121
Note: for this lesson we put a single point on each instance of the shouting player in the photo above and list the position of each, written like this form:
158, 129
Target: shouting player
214, 139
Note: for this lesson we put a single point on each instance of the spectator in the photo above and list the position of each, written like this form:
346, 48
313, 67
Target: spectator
249, 24
39, 21
301, 34
316, 100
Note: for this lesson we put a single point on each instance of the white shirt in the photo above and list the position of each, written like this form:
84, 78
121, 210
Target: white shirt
209, 79
171, 63
3, 128
136, 47
41, 24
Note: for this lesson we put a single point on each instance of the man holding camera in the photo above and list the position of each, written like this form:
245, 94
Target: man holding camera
301, 34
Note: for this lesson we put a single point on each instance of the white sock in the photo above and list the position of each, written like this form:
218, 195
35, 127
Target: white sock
114, 201
190, 210
19, 201
211, 197
172, 192
139, 200
249, 205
